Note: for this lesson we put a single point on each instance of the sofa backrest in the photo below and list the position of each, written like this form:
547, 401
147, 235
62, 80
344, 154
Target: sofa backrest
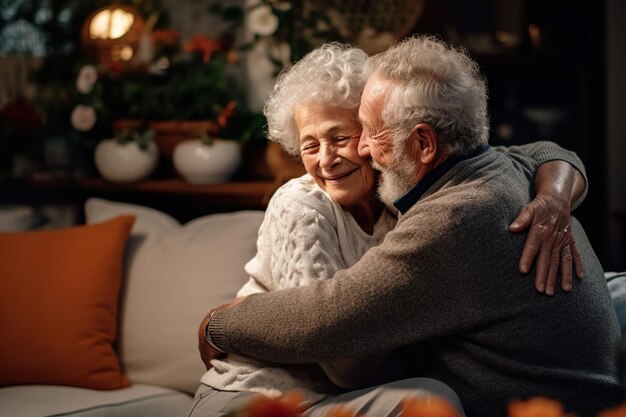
173, 275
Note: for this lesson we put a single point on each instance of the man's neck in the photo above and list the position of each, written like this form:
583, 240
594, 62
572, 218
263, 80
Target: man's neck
435, 171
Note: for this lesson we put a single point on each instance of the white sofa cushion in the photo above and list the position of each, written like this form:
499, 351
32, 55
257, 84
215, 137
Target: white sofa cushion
173, 275
53, 400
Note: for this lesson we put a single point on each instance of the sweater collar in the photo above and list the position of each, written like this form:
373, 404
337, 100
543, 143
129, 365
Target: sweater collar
408, 199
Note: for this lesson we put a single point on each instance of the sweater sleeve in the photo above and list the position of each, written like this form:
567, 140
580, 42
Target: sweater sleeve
545, 151
373, 307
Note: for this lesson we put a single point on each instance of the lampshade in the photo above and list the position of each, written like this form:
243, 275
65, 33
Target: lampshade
112, 33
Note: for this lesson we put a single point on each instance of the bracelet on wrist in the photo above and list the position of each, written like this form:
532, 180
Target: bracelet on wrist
207, 335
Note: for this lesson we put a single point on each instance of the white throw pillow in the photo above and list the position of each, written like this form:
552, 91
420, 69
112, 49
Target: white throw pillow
173, 275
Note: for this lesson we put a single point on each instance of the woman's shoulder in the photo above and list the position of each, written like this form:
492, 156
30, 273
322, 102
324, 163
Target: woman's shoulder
303, 193
301, 200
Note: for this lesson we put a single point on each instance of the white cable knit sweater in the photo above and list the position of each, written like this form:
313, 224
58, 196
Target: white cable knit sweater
305, 236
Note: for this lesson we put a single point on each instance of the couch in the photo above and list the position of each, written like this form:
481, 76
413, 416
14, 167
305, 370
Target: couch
168, 275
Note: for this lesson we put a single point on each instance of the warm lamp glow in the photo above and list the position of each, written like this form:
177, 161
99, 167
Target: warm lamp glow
112, 33
126, 53
110, 24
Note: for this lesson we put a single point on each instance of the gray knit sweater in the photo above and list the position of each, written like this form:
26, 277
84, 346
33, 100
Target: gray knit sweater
446, 280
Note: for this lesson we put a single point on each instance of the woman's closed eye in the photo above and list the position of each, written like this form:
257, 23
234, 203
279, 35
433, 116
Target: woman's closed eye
310, 146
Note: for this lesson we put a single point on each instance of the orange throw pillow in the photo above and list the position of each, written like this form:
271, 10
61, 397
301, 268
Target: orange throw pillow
59, 293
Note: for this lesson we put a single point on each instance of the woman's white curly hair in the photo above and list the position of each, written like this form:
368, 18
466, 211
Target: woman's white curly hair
436, 83
330, 75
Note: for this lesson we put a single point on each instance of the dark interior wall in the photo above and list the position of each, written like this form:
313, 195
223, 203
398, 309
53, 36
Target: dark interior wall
616, 149
546, 65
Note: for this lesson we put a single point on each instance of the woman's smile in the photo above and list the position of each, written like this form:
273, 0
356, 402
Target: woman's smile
339, 177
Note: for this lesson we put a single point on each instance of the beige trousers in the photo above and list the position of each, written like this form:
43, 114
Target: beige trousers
379, 401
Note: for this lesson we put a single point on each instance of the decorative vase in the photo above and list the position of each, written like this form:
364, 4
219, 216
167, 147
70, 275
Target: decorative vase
125, 162
168, 134
201, 163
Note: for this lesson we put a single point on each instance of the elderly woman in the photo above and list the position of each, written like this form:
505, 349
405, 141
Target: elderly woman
314, 225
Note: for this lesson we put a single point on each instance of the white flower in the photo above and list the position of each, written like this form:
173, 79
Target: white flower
83, 117
262, 21
87, 77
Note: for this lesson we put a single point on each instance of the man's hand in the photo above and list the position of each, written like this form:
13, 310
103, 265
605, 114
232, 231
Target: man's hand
548, 216
208, 352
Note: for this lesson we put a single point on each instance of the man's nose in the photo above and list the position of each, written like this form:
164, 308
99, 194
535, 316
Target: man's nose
364, 146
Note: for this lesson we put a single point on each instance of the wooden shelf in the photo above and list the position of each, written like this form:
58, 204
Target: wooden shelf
252, 192
174, 196
249, 195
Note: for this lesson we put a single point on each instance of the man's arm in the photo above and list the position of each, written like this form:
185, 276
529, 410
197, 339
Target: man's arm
560, 185
298, 244
405, 290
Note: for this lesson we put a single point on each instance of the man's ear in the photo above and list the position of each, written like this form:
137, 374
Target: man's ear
425, 140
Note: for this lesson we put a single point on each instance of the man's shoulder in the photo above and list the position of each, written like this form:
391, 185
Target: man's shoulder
476, 203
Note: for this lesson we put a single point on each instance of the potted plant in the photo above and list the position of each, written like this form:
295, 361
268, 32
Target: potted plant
131, 156
206, 159
183, 92
177, 90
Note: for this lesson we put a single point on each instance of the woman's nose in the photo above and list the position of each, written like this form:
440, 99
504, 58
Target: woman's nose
328, 155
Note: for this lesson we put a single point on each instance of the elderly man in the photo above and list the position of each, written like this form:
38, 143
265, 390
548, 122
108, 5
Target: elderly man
445, 281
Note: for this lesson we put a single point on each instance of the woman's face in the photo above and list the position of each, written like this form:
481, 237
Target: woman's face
329, 137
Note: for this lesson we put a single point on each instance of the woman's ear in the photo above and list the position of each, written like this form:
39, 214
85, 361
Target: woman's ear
425, 140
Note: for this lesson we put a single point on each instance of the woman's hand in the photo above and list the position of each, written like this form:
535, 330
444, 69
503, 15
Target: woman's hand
548, 220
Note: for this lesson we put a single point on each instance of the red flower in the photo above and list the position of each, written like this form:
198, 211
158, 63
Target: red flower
537, 407
20, 117
165, 37
428, 407
232, 57
289, 405
203, 45
116, 68
226, 113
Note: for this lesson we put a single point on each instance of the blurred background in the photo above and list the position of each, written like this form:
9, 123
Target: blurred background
114, 98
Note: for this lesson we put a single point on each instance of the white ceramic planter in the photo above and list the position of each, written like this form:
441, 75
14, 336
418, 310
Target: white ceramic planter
198, 163
125, 162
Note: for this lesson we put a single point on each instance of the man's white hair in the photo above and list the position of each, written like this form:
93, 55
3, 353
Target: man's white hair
436, 83
330, 75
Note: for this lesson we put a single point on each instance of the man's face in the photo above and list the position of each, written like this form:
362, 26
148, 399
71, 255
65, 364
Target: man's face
376, 140
388, 154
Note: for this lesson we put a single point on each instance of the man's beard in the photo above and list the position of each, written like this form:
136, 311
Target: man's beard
397, 178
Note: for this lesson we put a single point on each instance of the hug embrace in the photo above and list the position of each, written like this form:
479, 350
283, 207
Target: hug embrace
412, 258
